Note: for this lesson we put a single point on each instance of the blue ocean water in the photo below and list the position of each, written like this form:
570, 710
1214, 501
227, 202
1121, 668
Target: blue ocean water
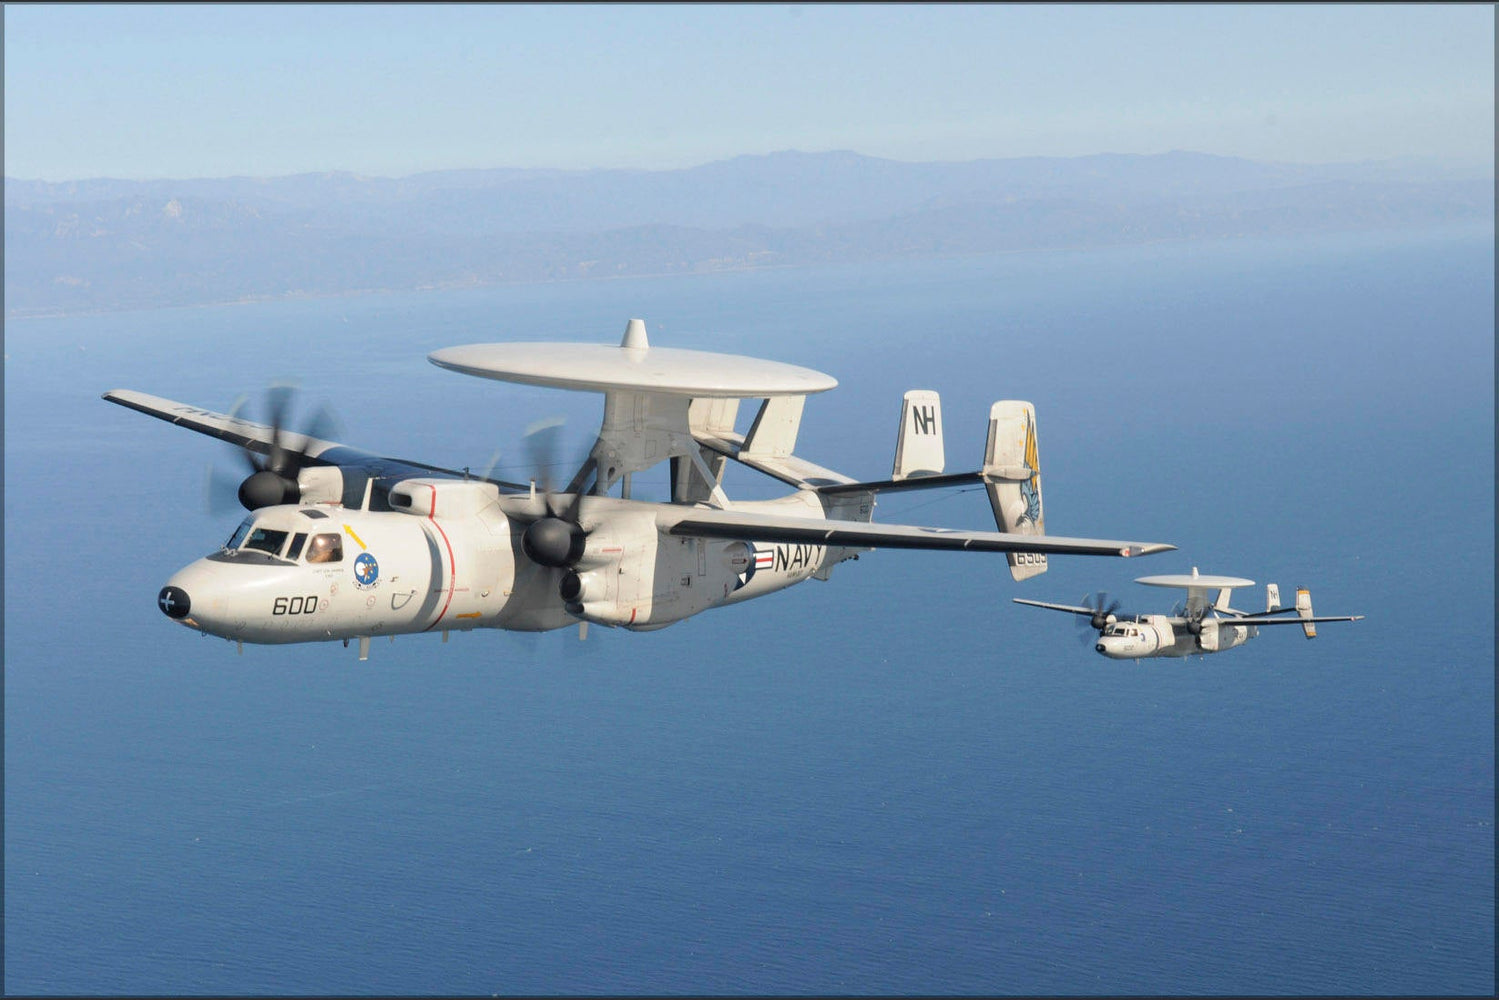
894, 782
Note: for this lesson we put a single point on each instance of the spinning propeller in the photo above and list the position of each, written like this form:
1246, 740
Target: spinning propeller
556, 539
1194, 621
274, 469
1104, 615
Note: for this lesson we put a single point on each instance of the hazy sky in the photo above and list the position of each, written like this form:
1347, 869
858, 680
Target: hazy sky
198, 91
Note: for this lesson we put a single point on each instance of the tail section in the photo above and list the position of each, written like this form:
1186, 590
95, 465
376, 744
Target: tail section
1304, 612
918, 449
1272, 597
1012, 477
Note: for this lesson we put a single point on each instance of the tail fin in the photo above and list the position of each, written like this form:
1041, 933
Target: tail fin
918, 449
1304, 611
1012, 477
1272, 597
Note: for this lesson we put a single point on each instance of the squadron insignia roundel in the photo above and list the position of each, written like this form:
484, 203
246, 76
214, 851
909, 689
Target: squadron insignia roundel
366, 570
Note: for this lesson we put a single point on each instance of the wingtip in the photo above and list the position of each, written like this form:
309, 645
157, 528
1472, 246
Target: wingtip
1149, 548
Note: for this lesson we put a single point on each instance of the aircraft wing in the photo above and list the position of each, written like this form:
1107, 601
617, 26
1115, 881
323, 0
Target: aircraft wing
235, 430
758, 527
259, 438
1262, 620
1088, 612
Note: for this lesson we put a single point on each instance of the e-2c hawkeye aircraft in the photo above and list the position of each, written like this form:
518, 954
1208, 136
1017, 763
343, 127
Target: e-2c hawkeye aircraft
343, 544
1189, 630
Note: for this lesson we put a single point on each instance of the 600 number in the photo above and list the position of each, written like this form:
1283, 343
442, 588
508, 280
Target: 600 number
295, 605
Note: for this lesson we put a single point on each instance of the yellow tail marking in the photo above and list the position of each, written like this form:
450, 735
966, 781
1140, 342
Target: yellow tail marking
1032, 456
471, 614
356, 538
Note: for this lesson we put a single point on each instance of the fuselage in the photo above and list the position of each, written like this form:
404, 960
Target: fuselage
1153, 635
447, 556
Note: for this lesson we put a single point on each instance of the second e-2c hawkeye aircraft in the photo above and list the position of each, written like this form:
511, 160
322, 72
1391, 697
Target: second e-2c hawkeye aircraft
1196, 627
342, 544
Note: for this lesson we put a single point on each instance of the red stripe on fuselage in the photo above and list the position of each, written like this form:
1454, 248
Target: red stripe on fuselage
453, 577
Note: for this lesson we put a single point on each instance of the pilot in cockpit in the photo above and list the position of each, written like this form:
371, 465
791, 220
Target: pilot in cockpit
325, 548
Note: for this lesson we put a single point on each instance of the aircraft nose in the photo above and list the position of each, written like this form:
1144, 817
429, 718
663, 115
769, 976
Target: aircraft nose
173, 602
1100, 648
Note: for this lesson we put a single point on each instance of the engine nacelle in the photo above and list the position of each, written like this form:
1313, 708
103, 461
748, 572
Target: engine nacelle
590, 595
589, 587
1207, 635
445, 498
551, 541
1219, 634
1165, 635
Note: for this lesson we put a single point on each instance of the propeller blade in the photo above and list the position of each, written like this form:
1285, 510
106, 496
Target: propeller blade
252, 458
221, 492
542, 441
1086, 633
491, 465
556, 540
578, 487
278, 399
1104, 608
273, 475
321, 425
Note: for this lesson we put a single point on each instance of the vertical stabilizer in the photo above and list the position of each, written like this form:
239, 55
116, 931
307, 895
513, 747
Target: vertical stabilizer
1012, 478
918, 448
1304, 611
773, 434
1272, 597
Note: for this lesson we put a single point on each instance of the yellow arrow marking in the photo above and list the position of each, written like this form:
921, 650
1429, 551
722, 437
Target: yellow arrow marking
356, 538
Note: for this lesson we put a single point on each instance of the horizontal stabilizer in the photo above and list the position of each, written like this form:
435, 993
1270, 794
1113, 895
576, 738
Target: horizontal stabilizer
750, 526
902, 485
1009, 473
1265, 620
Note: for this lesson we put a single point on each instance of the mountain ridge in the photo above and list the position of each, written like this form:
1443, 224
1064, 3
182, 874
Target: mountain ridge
107, 244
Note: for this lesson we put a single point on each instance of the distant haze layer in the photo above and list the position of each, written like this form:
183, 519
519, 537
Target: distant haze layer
105, 244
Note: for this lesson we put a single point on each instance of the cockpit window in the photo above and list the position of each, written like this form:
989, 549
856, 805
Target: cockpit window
325, 549
297, 541
266, 540
240, 533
